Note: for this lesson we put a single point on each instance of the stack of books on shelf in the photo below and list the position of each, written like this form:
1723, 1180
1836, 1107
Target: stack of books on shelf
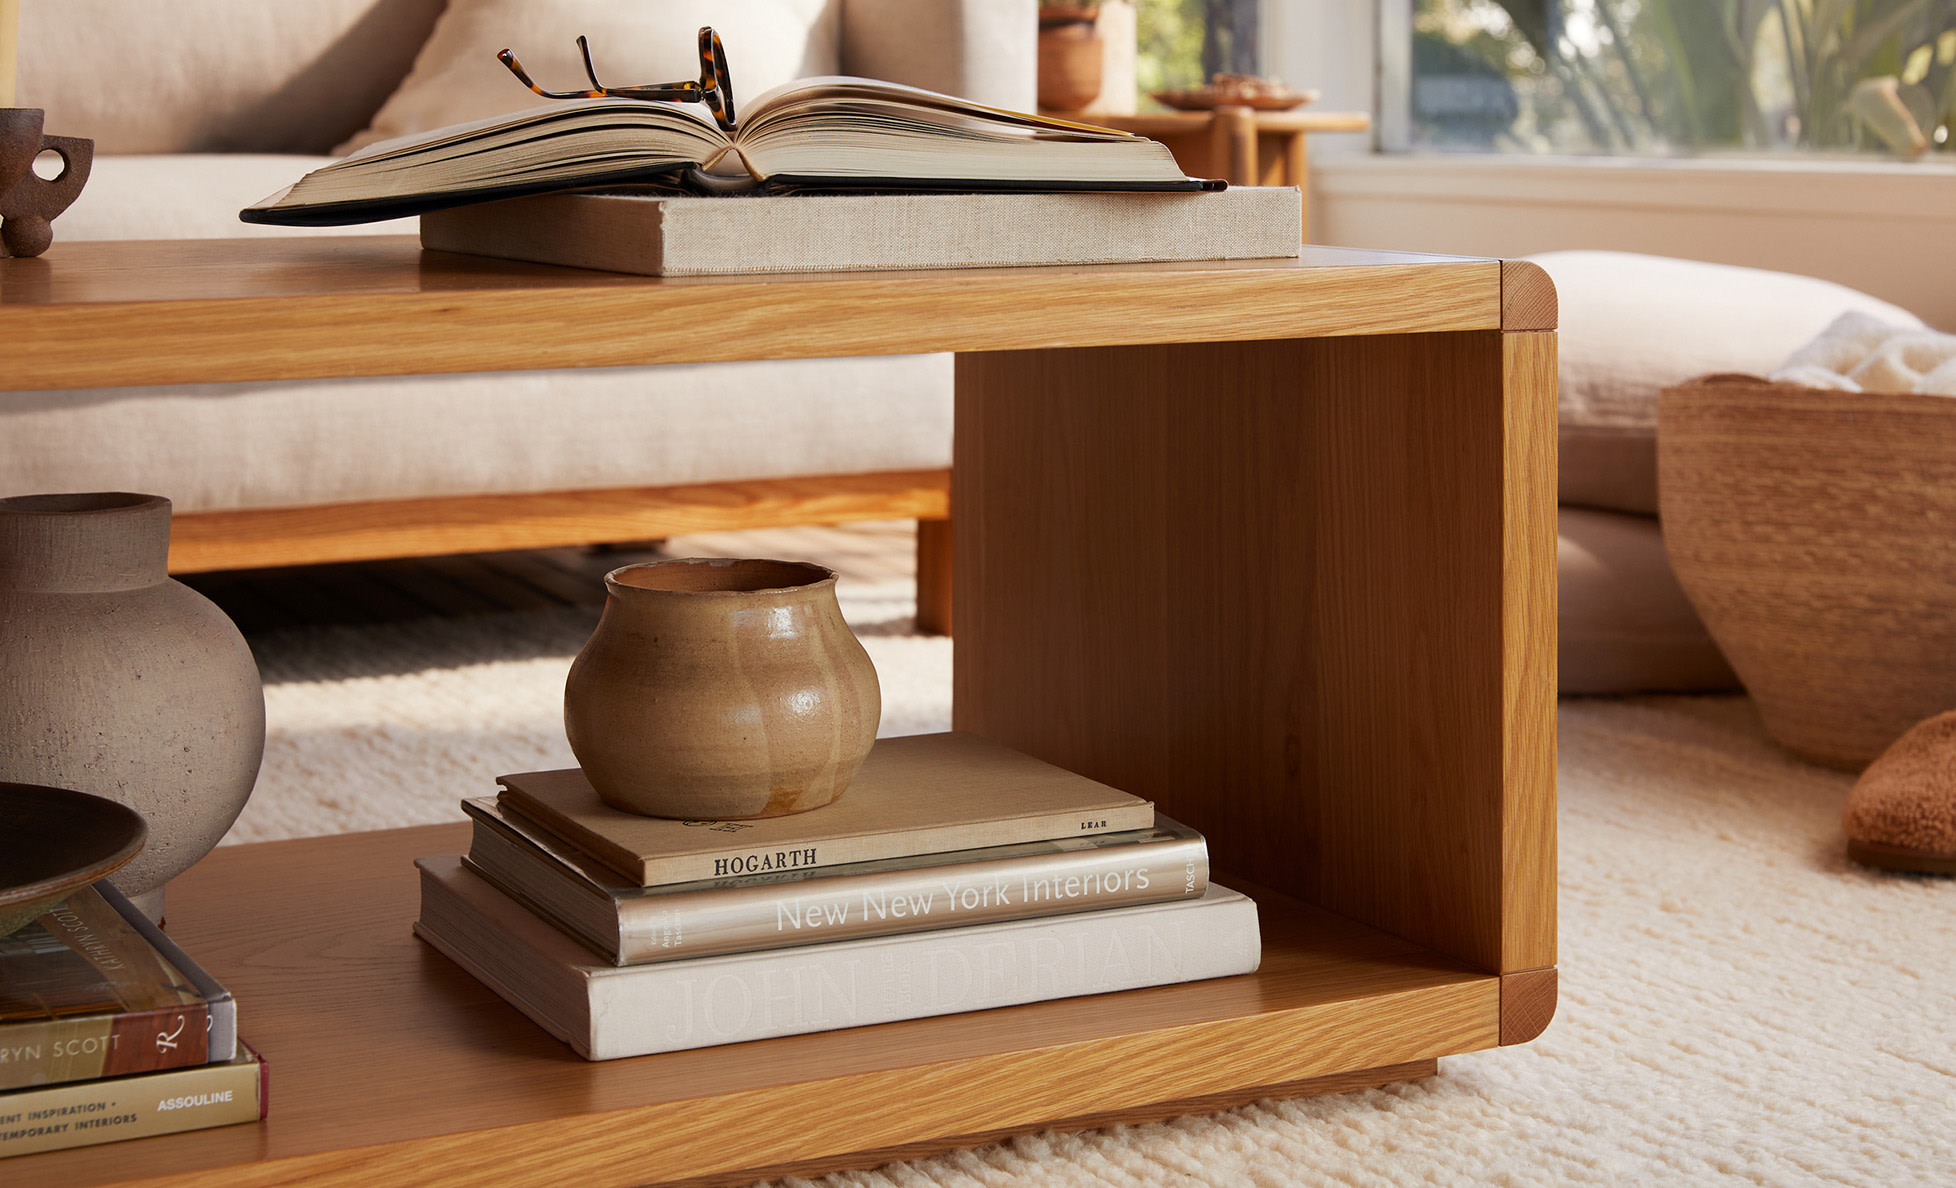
955, 874
109, 1031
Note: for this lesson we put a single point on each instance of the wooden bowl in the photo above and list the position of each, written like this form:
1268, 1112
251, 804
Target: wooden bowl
54, 842
1815, 533
1209, 97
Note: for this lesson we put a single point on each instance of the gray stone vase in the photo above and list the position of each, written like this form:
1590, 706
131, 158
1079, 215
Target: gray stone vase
118, 681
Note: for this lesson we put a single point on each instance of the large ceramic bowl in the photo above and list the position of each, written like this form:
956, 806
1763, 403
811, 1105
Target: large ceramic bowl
53, 842
1815, 533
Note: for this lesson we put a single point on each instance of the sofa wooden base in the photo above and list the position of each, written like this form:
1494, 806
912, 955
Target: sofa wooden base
254, 539
382, 530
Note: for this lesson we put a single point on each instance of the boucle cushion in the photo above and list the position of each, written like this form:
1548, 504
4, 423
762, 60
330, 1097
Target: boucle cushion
201, 76
1632, 325
1624, 623
457, 77
1858, 353
1902, 811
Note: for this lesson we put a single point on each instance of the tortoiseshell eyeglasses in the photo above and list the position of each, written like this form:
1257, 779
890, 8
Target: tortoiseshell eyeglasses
715, 87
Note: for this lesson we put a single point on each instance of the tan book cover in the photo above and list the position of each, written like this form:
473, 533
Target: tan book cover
633, 925
105, 1111
660, 235
921, 794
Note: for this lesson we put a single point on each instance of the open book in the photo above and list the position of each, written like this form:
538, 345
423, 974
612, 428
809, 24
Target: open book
817, 134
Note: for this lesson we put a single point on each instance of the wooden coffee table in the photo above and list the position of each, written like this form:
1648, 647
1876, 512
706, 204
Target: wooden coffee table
1271, 543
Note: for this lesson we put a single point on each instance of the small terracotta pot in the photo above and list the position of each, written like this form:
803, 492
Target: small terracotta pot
721, 690
1070, 57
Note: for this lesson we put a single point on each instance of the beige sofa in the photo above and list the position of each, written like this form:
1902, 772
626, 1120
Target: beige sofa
202, 106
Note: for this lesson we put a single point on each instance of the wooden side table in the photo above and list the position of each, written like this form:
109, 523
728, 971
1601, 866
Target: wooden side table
1243, 146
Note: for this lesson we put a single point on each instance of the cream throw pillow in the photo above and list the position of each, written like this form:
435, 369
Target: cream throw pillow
1633, 325
457, 77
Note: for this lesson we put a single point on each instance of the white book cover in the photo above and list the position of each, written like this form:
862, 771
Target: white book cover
605, 1011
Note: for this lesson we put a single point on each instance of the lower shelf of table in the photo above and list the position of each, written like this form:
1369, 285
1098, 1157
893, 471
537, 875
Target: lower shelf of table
391, 1065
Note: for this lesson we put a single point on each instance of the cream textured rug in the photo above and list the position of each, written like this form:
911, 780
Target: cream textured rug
1739, 1005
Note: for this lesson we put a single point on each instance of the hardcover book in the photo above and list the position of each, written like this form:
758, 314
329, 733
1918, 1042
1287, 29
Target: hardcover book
93, 989
822, 134
54, 1117
630, 925
657, 235
921, 794
605, 1011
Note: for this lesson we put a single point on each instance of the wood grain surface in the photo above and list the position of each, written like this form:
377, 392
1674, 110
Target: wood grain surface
134, 312
1367, 1078
256, 538
1291, 591
1528, 300
1527, 1004
1528, 651
392, 1066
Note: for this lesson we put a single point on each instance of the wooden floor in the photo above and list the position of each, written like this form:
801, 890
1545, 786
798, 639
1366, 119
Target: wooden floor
371, 592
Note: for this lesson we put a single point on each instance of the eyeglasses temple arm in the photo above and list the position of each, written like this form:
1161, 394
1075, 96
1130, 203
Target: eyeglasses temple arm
590, 72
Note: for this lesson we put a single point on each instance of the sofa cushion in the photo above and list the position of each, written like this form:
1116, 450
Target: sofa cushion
192, 196
457, 77
230, 446
1632, 325
1625, 625
189, 76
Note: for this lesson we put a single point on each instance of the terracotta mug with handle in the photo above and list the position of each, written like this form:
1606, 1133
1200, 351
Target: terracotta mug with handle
29, 203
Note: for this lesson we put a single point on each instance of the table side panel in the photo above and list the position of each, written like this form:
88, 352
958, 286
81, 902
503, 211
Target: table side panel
1262, 584
1528, 889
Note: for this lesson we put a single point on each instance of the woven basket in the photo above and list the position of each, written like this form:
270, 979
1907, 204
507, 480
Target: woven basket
1815, 533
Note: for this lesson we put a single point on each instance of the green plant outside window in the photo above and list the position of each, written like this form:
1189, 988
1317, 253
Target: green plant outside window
1684, 76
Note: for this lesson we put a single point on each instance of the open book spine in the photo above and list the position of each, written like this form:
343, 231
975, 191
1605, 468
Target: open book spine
605, 1012
631, 925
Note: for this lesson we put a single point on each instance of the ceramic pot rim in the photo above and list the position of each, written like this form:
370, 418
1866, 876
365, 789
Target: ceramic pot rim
767, 576
81, 503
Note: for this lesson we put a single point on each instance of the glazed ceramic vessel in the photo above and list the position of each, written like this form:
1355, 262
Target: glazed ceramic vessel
119, 682
721, 689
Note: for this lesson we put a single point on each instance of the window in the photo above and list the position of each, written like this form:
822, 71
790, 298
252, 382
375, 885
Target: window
1185, 42
1670, 76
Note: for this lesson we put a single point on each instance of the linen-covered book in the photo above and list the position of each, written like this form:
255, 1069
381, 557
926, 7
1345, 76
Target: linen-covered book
920, 794
661, 235
93, 989
632, 925
831, 133
605, 1011
55, 1117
